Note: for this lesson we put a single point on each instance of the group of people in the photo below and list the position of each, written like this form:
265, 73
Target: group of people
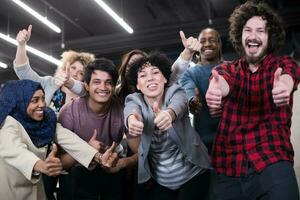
237, 147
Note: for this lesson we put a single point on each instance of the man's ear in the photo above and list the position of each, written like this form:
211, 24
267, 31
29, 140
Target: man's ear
86, 86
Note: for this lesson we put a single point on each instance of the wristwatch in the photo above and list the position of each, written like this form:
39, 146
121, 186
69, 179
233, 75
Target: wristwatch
98, 158
36, 174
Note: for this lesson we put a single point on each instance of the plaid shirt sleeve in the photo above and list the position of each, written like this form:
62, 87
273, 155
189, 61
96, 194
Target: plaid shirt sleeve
291, 68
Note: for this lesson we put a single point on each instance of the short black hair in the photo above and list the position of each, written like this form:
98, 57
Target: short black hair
102, 64
157, 59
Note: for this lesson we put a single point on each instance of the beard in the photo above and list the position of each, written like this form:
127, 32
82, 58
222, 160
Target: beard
252, 59
256, 59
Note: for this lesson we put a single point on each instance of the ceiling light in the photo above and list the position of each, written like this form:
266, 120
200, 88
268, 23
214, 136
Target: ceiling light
38, 16
32, 50
3, 65
115, 16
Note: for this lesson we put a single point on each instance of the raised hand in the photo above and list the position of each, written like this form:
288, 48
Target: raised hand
122, 163
135, 124
215, 112
190, 44
281, 91
163, 119
195, 104
99, 146
109, 158
52, 166
24, 35
62, 75
214, 94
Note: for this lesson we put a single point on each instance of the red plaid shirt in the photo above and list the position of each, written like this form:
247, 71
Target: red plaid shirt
253, 131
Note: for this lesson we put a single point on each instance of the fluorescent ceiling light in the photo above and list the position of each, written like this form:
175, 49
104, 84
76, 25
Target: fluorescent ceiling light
32, 50
3, 65
38, 16
115, 16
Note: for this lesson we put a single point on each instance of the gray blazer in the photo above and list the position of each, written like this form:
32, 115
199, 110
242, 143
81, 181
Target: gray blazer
183, 134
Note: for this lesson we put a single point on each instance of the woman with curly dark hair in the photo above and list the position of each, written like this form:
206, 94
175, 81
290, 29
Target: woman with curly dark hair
252, 155
173, 161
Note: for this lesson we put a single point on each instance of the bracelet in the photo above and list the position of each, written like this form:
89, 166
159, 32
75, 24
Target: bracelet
98, 158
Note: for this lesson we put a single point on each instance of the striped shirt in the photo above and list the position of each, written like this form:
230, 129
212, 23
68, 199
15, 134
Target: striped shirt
168, 166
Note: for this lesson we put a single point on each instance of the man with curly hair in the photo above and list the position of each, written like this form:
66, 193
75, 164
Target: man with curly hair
252, 155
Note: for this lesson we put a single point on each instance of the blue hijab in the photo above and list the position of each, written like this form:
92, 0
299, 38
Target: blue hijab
14, 100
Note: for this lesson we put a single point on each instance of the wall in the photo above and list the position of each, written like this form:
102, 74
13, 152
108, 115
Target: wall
296, 133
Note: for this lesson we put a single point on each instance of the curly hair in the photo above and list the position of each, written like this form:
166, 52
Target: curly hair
72, 56
158, 59
244, 12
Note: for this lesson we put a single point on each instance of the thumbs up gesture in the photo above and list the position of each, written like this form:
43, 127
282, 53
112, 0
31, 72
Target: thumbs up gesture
163, 119
52, 166
281, 90
53, 152
190, 44
195, 104
110, 157
214, 94
24, 35
62, 75
99, 146
135, 124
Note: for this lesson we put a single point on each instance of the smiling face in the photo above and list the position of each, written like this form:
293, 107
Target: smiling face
76, 70
209, 46
151, 82
36, 106
101, 87
255, 39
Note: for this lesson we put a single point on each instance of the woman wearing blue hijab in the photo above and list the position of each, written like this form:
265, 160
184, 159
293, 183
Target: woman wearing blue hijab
27, 128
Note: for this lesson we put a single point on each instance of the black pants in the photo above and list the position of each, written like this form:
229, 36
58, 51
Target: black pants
96, 184
275, 182
194, 189
64, 192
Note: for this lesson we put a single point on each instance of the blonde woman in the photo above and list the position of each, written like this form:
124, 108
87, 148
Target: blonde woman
57, 90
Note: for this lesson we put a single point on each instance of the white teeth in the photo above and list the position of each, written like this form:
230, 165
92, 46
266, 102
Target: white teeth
101, 93
152, 85
250, 44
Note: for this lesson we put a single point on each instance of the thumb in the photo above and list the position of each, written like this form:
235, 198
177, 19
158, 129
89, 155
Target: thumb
197, 93
137, 116
155, 107
112, 147
94, 135
215, 75
277, 75
53, 151
29, 29
66, 68
183, 38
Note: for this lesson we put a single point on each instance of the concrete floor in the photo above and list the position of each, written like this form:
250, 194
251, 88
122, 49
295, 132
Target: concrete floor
296, 133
